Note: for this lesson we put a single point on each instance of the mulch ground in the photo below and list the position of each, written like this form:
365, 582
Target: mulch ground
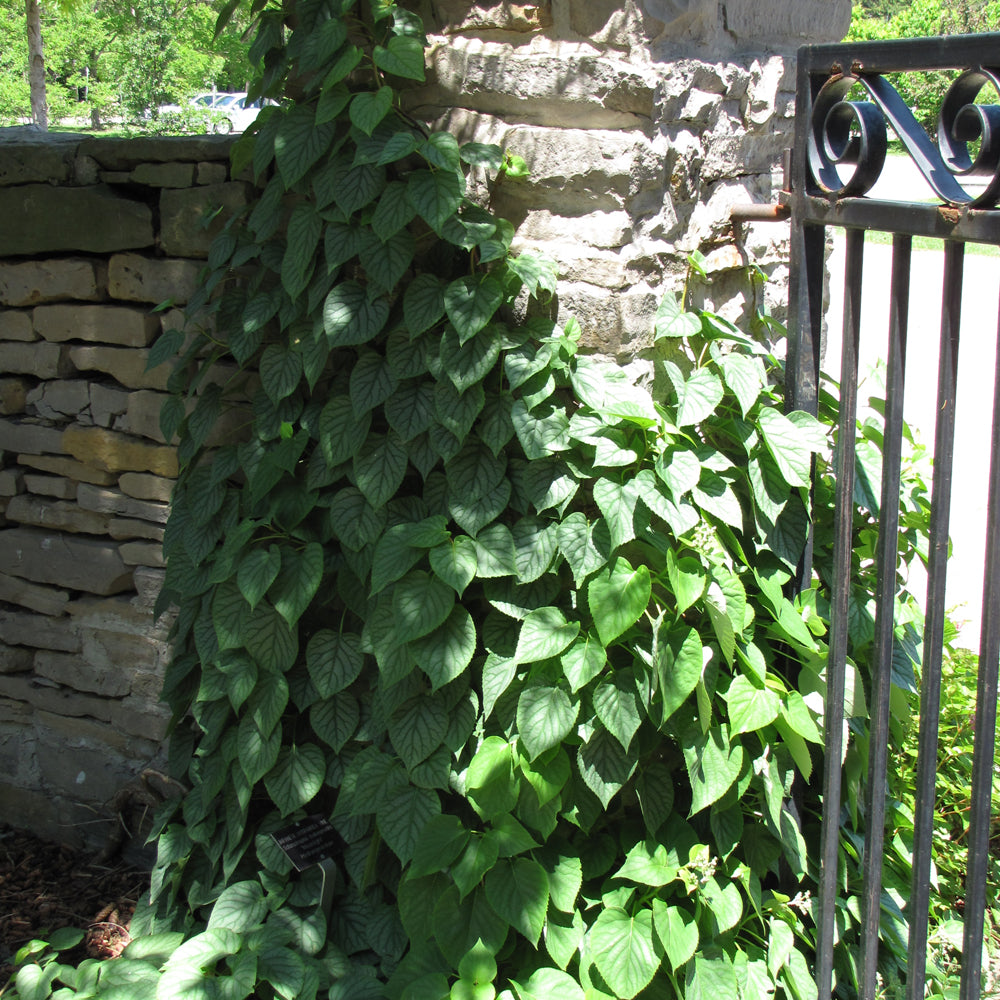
45, 886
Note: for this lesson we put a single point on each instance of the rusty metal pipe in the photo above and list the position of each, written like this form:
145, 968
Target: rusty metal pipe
759, 213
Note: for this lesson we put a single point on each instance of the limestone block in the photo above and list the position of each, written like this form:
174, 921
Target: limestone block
182, 212
19, 628
452, 16
50, 280
50, 486
41, 360
604, 230
143, 486
42, 694
85, 773
34, 596
142, 415
27, 157
30, 438
86, 170
148, 583
58, 515
52, 816
15, 324
75, 671
210, 173
120, 653
125, 154
59, 398
144, 279
126, 366
140, 716
67, 467
789, 21
122, 529
106, 403
13, 396
103, 324
87, 564
619, 24
11, 482
15, 659
118, 614
39, 218
114, 502
550, 84
142, 554
163, 175
113, 452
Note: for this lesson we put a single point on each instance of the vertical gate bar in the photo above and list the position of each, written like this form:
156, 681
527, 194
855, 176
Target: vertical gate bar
985, 727
885, 594
837, 661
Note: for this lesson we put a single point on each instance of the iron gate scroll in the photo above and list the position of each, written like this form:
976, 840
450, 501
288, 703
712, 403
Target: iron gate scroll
844, 105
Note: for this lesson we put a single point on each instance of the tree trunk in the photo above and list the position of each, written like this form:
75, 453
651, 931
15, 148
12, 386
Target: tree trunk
36, 66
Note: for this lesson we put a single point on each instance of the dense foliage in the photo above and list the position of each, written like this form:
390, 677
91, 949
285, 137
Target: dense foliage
518, 629
110, 58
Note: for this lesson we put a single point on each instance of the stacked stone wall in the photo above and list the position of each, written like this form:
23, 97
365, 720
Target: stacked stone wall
95, 234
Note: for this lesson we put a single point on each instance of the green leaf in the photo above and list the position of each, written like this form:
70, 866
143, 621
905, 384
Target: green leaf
297, 777
534, 547
410, 409
423, 303
447, 651
297, 581
679, 663
750, 707
617, 503
257, 753
470, 303
544, 633
441, 841
604, 766
655, 789
369, 108
617, 706
548, 984
583, 661
304, 230
744, 376
518, 889
257, 572
386, 261
418, 729
477, 859
617, 597
269, 640
350, 317
541, 434
402, 56
334, 661
648, 863
712, 979
579, 544
435, 194
473, 516
379, 467
355, 521
545, 717
239, 908
441, 150
340, 243
702, 393
335, 720
455, 562
402, 818
672, 321
372, 382
393, 211
787, 446
677, 931
300, 142
624, 950
469, 362
420, 604
688, 579
713, 764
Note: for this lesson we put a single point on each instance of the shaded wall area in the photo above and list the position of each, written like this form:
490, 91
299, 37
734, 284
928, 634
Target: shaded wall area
95, 233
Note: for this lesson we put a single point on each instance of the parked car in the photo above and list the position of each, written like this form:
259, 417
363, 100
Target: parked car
235, 114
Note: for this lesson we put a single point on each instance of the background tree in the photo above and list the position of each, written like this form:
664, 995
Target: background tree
36, 65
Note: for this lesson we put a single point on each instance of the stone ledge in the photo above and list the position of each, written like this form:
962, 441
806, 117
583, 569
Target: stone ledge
88, 564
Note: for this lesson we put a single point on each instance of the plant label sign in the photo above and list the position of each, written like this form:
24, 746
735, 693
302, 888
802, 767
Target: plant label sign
310, 841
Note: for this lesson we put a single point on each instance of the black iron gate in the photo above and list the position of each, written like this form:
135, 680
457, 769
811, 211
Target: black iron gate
844, 103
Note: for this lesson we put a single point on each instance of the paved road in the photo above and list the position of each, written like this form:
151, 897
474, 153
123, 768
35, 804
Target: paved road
977, 353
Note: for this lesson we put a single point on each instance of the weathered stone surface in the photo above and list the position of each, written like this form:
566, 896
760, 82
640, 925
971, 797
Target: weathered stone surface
87, 564
146, 487
40, 360
143, 418
35, 597
27, 157
85, 774
122, 529
67, 467
117, 614
121, 653
182, 211
29, 438
124, 154
148, 584
106, 403
11, 482
19, 628
50, 486
453, 16
141, 716
75, 671
114, 452
38, 281
211, 173
127, 367
142, 554
15, 659
114, 502
164, 175
787, 21
59, 398
103, 324
15, 324
59, 515
43, 695
146, 279
39, 218
13, 396
604, 230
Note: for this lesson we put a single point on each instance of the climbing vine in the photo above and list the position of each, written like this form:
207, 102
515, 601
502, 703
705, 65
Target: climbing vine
519, 630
